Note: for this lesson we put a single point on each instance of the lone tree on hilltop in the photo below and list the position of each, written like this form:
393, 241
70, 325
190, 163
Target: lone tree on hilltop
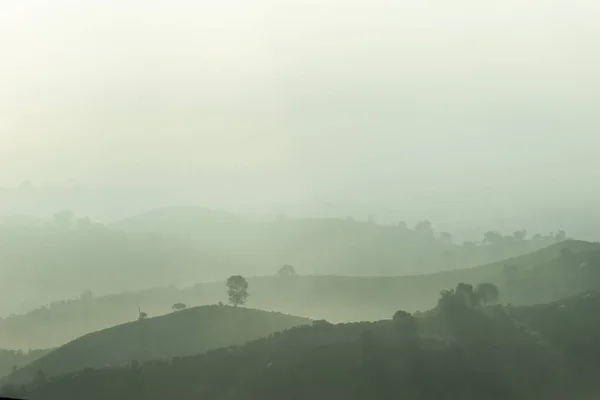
237, 290
141, 314
286, 271
178, 306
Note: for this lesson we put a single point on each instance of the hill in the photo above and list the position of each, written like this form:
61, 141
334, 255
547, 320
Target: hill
541, 276
36, 260
331, 246
178, 334
11, 359
455, 351
176, 246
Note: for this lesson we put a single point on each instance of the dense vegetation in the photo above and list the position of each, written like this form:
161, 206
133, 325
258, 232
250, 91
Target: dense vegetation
180, 333
459, 350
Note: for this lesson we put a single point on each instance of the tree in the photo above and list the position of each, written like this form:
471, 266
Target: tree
286, 271
463, 297
487, 293
424, 229
493, 238
64, 219
446, 237
178, 306
520, 235
561, 236
469, 245
406, 326
237, 290
467, 294
141, 315
321, 323
86, 295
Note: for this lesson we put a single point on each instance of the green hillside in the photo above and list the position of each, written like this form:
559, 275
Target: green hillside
541, 276
42, 264
11, 359
456, 351
180, 333
181, 245
329, 246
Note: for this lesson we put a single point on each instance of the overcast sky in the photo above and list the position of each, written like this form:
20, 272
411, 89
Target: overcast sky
292, 100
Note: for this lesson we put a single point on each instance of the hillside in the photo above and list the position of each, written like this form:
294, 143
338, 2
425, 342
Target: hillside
329, 246
178, 334
540, 277
10, 359
180, 245
456, 351
36, 260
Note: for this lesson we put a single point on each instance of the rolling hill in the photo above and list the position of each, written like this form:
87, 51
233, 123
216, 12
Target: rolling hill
181, 245
542, 276
326, 246
178, 334
11, 359
460, 352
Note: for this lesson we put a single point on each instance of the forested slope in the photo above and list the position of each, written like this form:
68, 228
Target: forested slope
455, 351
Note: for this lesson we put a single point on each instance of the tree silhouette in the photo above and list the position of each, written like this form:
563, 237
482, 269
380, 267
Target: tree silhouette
468, 294
178, 306
406, 326
493, 238
424, 229
64, 219
286, 271
141, 315
520, 235
487, 293
463, 297
446, 237
237, 290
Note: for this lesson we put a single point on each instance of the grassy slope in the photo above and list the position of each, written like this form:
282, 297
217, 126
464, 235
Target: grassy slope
180, 333
10, 359
335, 298
501, 353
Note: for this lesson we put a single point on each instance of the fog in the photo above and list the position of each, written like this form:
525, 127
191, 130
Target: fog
308, 199
432, 109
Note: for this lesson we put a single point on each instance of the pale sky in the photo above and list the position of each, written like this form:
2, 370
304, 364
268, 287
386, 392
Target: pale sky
288, 100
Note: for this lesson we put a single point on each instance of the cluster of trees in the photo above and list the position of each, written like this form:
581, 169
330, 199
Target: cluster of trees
66, 219
237, 293
467, 296
495, 238
424, 229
